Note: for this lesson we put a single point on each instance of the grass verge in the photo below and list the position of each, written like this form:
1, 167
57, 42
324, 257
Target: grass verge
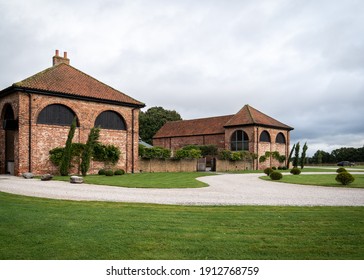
326, 180
35, 228
147, 180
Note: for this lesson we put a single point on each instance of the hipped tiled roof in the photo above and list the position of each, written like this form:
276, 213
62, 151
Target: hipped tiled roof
67, 80
216, 125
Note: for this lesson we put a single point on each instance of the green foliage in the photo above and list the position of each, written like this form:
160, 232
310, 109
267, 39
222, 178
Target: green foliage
106, 153
153, 119
119, 172
275, 155
296, 155
290, 155
101, 172
65, 163
188, 154
303, 155
206, 150
275, 175
345, 178
109, 172
55, 155
225, 155
341, 169
268, 171
295, 171
337, 155
88, 151
154, 153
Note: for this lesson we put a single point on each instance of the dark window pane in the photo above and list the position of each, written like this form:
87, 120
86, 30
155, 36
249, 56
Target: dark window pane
239, 141
280, 138
110, 120
264, 137
56, 114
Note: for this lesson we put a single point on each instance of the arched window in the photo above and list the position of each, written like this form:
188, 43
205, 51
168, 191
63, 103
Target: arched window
280, 138
56, 114
264, 136
239, 141
110, 120
9, 122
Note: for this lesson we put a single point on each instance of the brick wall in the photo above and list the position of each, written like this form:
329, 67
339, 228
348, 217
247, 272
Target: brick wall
167, 165
47, 137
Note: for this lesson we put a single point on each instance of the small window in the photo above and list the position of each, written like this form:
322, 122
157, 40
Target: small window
264, 136
110, 120
239, 141
56, 114
280, 138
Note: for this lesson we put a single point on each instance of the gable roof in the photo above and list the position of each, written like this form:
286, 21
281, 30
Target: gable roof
65, 80
216, 125
251, 116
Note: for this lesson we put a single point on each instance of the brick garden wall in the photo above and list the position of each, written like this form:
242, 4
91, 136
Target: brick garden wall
168, 165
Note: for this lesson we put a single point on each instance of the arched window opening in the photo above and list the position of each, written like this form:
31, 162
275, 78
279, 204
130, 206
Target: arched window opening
264, 136
239, 141
110, 120
56, 114
280, 138
9, 122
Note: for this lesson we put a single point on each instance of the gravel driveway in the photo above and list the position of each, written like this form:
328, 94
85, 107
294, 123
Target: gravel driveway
227, 189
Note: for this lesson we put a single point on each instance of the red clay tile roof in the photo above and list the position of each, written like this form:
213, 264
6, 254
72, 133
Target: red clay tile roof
251, 116
216, 125
68, 80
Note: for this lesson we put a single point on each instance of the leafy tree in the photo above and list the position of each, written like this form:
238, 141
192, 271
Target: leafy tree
296, 155
290, 155
153, 119
88, 151
303, 155
67, 152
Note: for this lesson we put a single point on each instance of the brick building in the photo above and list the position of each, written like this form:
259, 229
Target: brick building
36, 113
249, 130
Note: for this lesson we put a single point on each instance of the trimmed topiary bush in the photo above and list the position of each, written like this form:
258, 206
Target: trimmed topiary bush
275, 175
295, 171
109, 173
268, 171
341, 169
101, 172
119, 172
345, 178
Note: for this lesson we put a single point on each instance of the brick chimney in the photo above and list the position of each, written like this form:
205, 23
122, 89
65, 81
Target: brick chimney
58, 59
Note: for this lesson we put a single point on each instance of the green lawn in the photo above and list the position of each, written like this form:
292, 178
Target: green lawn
320, 180
147, 180
35, 228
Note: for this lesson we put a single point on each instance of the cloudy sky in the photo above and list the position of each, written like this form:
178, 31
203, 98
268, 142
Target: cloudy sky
299, 61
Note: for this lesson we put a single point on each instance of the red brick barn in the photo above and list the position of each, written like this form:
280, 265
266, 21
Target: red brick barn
248, 130
36, 114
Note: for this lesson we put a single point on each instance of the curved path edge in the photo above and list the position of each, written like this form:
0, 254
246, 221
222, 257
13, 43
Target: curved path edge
226, 189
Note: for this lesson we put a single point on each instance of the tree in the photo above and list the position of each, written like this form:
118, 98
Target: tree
67, 152
153, 119
296, 155
88, 151
290, 155
303, 155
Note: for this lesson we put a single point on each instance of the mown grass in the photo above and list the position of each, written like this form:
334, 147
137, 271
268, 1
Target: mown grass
35, 228
326, 180
147, 180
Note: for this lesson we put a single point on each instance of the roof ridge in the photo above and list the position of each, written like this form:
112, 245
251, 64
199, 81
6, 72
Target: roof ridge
250, 113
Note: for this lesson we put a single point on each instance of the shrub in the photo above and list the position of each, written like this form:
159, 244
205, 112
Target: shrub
345, 178
274, 168
119, 172
341, 169
109, 173
268, 171
101, 172
188, 154
225, 154
275, 175
154, 153
295, 171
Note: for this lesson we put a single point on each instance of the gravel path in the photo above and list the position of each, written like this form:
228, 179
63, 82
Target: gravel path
227, 189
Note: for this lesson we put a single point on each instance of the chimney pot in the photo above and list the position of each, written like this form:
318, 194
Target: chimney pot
58, 59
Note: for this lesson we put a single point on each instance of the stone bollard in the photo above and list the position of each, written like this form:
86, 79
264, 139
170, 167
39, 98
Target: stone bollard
28, 175
46, 177
76, 180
